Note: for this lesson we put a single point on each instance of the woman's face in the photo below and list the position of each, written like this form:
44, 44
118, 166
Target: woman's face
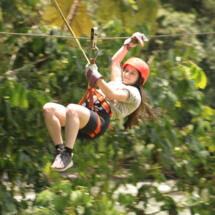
130, 75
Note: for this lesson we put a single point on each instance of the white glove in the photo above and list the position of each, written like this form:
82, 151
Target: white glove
135, 39
92, 74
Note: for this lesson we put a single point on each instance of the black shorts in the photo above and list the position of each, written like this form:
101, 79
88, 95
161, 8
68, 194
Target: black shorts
93, 121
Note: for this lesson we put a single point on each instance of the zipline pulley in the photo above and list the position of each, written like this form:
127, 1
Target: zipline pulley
94, 49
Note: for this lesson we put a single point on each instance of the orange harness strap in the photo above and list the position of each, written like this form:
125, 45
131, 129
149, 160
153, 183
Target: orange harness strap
98, 128
90, 93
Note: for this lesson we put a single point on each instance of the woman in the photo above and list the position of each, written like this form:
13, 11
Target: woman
123, 95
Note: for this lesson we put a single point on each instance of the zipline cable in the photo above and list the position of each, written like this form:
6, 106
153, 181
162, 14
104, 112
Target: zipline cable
70, 29
162, 35
42, 35
101, 38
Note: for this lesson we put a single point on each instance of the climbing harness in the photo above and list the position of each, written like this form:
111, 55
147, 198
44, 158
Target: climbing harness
91, 93
90, 96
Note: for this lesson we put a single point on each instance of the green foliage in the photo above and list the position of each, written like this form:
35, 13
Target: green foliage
131, 13
63, 198
8, 204
179, 147
195, 73
16, 14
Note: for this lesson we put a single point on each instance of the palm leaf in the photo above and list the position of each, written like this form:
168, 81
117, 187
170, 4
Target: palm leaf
76, 14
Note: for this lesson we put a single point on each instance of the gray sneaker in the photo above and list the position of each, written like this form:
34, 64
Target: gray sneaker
62, 161
56, 157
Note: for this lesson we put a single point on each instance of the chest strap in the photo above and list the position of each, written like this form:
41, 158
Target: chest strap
89, 95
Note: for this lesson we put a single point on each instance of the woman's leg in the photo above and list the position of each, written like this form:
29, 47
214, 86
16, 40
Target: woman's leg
77, 117
55, 118
74, 117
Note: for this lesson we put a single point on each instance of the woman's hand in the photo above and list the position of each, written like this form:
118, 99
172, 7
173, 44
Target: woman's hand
136, 38
92, 74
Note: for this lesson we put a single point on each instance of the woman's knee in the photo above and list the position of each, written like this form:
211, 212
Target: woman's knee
72, 109
48, 108
77, 110
80, 112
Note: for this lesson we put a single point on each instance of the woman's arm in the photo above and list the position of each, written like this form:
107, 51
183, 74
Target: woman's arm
95, 78
119, 95
116, 73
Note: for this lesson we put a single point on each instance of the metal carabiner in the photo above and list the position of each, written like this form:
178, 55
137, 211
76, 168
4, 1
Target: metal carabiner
94, 51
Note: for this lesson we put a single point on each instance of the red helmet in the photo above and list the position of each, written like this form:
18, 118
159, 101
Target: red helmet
140, 65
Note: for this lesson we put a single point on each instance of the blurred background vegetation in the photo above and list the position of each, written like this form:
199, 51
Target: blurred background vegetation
179, 148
